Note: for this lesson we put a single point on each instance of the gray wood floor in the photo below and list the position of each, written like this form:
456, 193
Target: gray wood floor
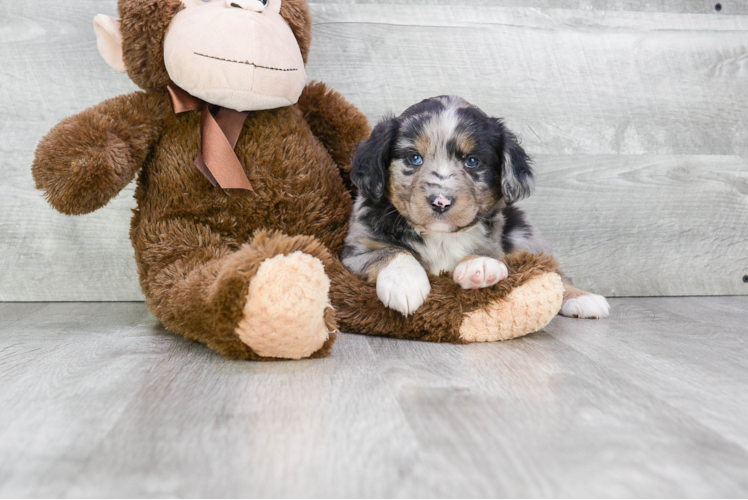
98, 400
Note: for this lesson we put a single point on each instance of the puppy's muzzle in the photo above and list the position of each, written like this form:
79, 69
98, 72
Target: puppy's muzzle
441, 203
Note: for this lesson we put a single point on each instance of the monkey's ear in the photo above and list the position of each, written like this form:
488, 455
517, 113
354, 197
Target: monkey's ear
373, 157
109, 41
517, 180
274, 6
296, 13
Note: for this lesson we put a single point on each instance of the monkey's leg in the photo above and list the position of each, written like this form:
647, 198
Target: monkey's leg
523, 302
266, 299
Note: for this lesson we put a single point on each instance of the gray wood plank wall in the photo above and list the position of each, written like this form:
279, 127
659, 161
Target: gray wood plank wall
634, 111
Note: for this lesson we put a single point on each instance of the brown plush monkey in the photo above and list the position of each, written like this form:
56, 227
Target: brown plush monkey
238, 248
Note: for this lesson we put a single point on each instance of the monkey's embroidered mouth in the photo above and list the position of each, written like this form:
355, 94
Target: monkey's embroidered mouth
243, 62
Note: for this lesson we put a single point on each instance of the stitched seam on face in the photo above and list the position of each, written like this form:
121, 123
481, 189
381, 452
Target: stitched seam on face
244, 62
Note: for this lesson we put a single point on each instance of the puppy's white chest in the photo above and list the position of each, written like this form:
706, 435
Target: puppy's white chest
443, 251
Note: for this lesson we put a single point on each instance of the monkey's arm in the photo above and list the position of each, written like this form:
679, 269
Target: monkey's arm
86, 159
338, 124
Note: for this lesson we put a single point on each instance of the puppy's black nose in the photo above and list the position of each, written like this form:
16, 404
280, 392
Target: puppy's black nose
441, 203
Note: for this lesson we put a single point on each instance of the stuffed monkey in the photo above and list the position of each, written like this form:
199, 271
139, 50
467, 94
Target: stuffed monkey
243, 189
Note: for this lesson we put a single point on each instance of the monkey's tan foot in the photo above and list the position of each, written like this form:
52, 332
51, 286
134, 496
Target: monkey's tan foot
284, 316
528, 308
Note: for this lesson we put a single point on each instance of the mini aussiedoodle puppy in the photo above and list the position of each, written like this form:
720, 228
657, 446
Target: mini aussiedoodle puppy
437, 187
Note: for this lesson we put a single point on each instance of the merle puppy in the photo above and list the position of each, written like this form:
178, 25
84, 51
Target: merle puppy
437, 187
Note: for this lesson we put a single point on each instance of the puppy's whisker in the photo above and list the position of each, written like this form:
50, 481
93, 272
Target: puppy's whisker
390, 212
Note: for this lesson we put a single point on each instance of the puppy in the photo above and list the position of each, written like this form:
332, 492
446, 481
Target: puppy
437, 187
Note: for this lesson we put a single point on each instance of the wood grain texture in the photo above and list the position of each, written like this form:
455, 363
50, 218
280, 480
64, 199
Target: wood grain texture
729, 7
97, 400
635, 113
658, 225
49, 69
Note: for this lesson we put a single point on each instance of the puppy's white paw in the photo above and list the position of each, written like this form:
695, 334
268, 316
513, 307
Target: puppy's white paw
586, 306
403, 284
480, 272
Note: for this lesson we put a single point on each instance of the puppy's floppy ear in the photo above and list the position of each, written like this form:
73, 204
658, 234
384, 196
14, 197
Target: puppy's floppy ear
517, 180
373, 157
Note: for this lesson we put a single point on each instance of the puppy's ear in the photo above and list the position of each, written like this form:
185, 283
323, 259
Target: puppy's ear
517, 180
373, 157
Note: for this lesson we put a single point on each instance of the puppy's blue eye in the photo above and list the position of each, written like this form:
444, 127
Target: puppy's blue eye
472, 162
416, 160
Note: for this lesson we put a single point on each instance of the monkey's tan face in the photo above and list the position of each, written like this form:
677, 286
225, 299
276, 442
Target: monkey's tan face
240, 54
436, 180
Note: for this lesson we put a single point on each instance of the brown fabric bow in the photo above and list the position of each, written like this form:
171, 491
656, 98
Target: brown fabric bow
217, 160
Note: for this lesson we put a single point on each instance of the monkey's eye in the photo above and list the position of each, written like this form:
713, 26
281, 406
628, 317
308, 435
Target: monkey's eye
415, 160
472, 162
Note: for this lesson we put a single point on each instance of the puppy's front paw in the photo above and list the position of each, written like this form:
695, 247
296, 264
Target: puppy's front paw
479, 272
403, 284
589, 305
